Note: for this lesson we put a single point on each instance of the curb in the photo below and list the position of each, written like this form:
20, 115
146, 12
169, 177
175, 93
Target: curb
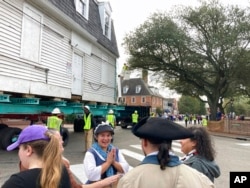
238, 137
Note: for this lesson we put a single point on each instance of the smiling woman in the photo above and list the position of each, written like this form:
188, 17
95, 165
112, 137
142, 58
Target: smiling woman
200, 153
103, 159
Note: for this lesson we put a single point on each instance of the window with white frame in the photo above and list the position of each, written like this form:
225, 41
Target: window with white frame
125, 89
107, 27
105, 12
133, 100
143, 99
138, 89
82, 7
123, 100
31, 34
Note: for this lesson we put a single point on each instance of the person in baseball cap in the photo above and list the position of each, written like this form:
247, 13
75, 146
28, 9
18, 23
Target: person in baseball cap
161, 167
34, 136
30, 133
40, 152
103, 127
104, 159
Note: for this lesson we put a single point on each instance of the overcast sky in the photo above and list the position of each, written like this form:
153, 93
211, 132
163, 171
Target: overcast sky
129, 14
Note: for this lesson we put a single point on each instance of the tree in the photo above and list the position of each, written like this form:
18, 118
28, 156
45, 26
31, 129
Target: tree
240, 106
191, 105
202, 51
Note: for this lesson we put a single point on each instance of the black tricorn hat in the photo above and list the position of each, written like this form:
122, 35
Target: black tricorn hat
157, 128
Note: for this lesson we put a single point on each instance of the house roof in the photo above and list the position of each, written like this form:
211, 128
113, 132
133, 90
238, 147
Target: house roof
170, 99
92, 25
132, 83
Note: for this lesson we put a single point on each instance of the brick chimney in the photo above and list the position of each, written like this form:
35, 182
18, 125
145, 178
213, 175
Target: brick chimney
145, 76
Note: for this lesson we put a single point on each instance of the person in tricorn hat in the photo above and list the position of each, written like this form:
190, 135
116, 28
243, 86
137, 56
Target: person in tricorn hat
161, 168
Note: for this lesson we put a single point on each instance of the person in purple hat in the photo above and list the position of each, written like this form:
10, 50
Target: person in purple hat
74, 183
39, 152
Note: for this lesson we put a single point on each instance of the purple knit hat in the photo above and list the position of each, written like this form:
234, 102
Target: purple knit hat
30, 133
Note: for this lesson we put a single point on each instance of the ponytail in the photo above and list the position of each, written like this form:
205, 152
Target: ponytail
163, 154
52, 163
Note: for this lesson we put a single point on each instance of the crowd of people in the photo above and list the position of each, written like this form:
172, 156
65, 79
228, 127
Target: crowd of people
43, 165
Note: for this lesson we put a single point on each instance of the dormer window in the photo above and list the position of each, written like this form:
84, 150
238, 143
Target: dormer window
82, 7
107, 24
125, 89
105, 16
138, 89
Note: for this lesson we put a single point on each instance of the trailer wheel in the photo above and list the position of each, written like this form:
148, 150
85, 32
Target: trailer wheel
65, 136
2, 132
124, 125
10, 136
2, 126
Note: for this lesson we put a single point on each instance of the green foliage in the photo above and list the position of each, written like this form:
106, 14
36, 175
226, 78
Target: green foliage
240, 109
240, 106
158, 110
202, 51
191, 105
70, 118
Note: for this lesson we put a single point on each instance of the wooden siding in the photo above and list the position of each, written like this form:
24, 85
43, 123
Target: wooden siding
10, 33
55, 54
93, 89
27, 77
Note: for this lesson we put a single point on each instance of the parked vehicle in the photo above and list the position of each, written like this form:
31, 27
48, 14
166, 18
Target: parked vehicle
12, 124
124, 117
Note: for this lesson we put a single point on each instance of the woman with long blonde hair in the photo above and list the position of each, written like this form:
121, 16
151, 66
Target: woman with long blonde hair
53, 173
40, 153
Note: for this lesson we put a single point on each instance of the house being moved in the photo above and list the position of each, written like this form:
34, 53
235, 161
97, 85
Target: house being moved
56, 53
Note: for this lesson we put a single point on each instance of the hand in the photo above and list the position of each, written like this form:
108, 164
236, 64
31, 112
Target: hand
111, 156
114, 155
110, 180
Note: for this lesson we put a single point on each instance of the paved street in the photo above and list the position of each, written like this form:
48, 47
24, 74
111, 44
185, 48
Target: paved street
232, 155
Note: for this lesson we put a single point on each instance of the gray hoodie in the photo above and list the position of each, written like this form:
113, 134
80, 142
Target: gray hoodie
209, 168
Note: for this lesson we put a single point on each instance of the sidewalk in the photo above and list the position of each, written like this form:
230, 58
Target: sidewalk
228, 135
221, 134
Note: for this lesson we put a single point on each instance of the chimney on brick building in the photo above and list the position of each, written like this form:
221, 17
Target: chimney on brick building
145, 76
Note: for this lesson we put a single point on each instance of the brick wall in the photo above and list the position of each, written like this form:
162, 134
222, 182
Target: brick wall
230, 126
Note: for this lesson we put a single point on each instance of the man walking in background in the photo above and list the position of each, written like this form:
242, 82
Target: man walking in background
111, 118
88, 126
54, 122
135, 118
